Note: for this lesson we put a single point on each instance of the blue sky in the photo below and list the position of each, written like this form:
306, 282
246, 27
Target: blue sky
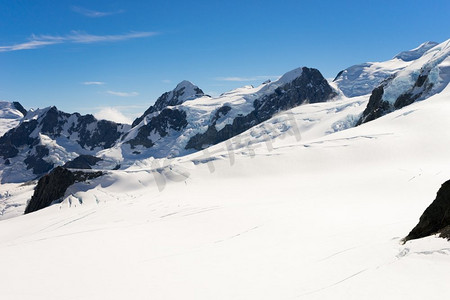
117, 57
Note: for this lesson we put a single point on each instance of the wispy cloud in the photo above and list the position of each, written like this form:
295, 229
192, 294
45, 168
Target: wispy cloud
253, 78
76, 37
166, 81
93, 83
123, 94
93, 13
112, 114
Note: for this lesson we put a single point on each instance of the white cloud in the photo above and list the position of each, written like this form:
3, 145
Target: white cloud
123, 94
94, 14
166, 81
112, 114
93, 83
241, 79
77, 37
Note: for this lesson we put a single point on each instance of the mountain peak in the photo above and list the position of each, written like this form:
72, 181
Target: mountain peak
291, 75
185, 90
417, 52
184, 84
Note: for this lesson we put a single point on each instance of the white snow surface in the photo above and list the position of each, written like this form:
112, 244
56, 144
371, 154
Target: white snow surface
289, 217
9, 116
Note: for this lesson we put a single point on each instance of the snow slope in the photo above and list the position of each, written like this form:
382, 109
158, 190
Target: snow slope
309, 218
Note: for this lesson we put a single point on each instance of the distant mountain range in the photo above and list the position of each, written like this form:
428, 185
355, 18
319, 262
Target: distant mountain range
186, 120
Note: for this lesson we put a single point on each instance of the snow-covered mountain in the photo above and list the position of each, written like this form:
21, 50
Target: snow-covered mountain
181, 121
424, 77
179, 124
48, 137
361, 79
10, 115
185, 120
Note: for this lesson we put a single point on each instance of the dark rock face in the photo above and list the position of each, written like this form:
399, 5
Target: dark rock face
310, 87
175, 97
160, 124
376, 107
436, 218
36, 161
445, 233
52, 187
82, 162
17, 137
20, 108
104, 136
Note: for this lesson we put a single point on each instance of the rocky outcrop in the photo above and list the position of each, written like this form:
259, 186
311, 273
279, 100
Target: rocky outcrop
309, 87
51, 187
376, 107
436, 218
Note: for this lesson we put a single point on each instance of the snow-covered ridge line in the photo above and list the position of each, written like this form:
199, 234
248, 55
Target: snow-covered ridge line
203, 121
361, 79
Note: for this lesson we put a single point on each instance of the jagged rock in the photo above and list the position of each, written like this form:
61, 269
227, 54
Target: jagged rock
436, 218
51, 187
376, 107
82, 162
